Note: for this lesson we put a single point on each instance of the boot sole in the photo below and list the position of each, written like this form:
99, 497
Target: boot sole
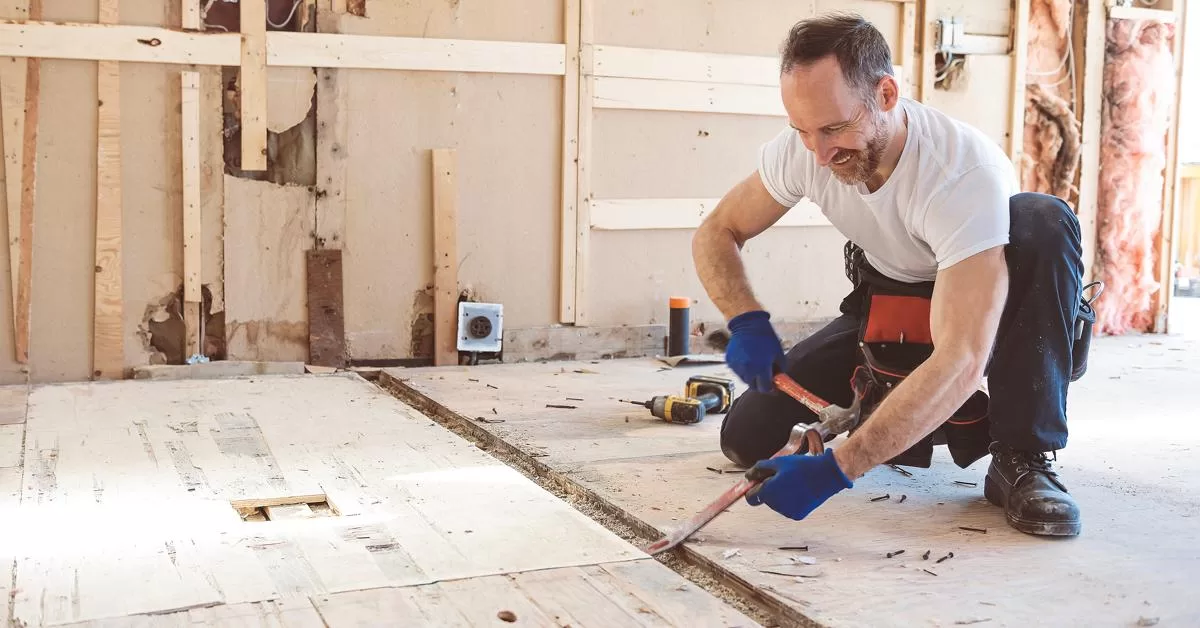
994, 494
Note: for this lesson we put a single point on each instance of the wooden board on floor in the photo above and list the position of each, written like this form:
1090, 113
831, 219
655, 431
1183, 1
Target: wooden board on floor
660, 474
398, 501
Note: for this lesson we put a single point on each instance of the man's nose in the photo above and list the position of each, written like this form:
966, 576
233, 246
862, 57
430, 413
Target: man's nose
825, 151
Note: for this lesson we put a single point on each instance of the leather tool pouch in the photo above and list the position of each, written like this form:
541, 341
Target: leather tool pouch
1081, 338
894, 339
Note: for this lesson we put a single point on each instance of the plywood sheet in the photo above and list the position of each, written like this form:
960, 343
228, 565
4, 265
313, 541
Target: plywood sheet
268, 228
658, 473
536, 21
508, 192
625, 288
637, 593
413, 504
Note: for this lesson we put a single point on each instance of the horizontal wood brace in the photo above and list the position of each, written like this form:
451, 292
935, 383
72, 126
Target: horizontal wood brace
681, 213
152, 44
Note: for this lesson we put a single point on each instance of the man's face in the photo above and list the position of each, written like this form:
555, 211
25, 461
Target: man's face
835, 121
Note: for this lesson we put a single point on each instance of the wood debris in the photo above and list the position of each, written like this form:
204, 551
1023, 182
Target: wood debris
730, 553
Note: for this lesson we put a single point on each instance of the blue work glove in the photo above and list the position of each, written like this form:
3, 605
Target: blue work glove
754, 350
796, 484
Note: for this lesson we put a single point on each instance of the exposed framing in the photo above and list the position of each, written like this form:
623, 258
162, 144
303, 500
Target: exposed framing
108, 353
572, 103
1020, 55
1171, 180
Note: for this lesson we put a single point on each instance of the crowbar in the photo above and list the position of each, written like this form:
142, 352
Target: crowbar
831, 420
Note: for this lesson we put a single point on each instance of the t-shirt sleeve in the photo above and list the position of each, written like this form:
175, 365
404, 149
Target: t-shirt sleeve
970, 216
780, 168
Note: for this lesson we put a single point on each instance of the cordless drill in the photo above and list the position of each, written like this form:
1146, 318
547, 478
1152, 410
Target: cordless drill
703, 394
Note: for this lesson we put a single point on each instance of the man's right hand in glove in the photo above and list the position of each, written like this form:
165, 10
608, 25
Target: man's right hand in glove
754, 350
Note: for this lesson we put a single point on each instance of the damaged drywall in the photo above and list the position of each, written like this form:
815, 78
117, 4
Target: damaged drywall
1051, 143
164, 335
1139, 89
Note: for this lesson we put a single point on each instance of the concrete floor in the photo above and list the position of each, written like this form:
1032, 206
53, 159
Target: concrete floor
1131, 462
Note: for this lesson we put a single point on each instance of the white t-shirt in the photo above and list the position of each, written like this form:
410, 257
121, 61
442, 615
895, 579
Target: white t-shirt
946, 200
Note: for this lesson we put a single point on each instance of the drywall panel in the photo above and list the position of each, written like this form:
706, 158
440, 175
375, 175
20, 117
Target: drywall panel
64, 223
152, 238
508, 138
665, 154
537, 21
268, 228
729, 26
796, 273
982, 17
981, 97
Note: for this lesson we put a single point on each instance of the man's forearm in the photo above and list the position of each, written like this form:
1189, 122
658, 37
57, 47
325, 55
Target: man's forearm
719, 265
914, 408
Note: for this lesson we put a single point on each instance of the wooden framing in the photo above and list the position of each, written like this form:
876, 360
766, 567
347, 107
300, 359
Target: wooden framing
1089, 44
570, 162
20, 86
927, 9
681, 213
1020, 54
445, 257
152, 44
190, 134
1172, 174
252, 81
1143, 13
654, 95
108, 354
583, 164
908, 48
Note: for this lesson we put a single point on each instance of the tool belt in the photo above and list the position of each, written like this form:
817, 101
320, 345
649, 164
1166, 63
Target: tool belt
895, 338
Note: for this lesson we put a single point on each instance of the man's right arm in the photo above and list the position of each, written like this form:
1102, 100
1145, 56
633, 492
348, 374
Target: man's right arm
744, 212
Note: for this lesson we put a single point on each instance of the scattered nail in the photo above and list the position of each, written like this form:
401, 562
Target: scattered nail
795, 548
491, 386
950, 555
900, 470
962, 483
981, 530
574, 399
967, 622
470, 379
902, 498
929, 572
881, 498
895, 553
485, 420
559, 406
925, 556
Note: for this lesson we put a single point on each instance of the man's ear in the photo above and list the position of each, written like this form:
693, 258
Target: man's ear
887, 92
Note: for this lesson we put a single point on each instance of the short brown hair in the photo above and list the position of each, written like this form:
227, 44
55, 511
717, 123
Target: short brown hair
862, 53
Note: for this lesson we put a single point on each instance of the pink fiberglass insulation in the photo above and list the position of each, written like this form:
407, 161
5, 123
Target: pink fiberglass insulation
1046, 145
1139, 86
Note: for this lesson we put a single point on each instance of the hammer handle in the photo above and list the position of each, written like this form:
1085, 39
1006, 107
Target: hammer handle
788, 385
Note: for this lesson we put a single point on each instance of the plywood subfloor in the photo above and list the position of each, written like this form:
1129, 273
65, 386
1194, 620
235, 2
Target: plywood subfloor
121, 499
1132, 463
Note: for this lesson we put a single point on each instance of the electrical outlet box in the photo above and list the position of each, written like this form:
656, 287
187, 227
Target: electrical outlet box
951, 34
480, 327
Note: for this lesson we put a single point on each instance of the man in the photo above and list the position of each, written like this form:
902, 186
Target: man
957, 278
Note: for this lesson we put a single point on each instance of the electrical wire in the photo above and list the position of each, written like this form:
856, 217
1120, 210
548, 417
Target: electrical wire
295, 5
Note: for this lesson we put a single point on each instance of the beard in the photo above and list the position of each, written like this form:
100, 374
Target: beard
862, 163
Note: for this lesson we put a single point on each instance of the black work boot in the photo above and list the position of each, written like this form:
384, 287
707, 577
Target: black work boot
1033, 498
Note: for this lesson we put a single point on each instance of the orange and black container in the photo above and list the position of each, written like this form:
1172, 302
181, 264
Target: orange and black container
680, 329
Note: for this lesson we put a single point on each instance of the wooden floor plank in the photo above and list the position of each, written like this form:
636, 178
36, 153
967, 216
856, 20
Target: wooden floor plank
159, 469
660, 474
411, 606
